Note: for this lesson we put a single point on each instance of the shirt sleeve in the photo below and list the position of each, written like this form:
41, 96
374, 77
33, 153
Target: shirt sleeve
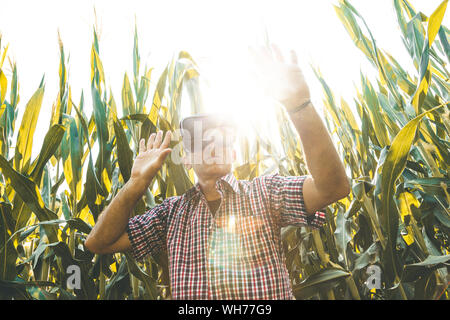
147, 232
286, 199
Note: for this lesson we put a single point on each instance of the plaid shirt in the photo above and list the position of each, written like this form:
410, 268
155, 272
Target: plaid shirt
236, 254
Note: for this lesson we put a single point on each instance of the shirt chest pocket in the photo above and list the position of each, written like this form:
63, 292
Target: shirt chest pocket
255, 239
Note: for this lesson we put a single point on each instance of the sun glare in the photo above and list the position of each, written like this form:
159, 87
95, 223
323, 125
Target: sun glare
233, 90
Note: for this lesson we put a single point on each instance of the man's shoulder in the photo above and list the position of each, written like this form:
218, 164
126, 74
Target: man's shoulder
176, 202
169, 203
270, 180
172, 200
263, 178
261, 181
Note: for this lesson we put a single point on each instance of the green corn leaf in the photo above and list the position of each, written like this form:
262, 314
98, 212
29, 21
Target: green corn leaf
434, 24
8, 253
413, 271
324, 279
149, 283
101, 127
124, 153
51, 143
393, 166
443, 36
136, 59
29, 193
343, 236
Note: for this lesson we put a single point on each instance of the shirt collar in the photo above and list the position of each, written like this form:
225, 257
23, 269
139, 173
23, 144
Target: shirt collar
229, 181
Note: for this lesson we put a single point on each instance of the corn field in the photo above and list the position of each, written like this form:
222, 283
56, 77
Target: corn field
392, 138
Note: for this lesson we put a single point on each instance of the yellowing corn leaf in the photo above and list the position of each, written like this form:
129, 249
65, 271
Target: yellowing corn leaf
106, 180
99, 199
3, 86
86, 215
157, 97
69, 102
96, 64
2, 110
27, 127
349, 115
435, 21
434, 24
406, 199
127, 97
4, 54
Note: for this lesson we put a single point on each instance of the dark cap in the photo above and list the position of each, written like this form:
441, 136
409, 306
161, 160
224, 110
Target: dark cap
190, 126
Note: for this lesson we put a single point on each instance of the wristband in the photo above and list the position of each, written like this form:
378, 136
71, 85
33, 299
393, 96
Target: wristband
294, 110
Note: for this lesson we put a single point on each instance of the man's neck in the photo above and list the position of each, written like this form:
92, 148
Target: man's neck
208, 187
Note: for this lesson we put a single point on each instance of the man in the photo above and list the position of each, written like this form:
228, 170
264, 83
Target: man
223, 236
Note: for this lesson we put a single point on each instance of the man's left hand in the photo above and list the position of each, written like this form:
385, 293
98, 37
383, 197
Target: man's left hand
282, 80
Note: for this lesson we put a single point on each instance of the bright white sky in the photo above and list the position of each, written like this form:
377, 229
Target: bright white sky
215, 33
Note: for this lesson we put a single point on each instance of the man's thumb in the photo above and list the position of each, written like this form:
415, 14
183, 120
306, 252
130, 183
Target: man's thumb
164, 154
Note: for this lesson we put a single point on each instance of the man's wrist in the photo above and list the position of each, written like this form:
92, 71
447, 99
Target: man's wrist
299, 107
136, 187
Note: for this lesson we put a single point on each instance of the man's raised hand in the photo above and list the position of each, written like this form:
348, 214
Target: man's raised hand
150, 158
282, 80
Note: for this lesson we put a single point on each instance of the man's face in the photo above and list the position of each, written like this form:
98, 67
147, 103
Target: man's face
211, 154
214, 170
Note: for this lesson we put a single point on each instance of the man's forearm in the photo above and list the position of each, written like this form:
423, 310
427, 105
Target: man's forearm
285, 82
112, 222
321, 157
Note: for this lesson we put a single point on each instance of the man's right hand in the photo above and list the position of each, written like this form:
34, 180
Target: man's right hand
150, 159
109, 233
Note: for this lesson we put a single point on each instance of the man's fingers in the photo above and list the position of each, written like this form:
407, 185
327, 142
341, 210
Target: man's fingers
150, 141
166, 141
154, 141
277, 52
294, 59
266, 53
158, 140
142, 145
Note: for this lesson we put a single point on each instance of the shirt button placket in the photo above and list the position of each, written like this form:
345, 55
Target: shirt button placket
210, 274
211, 259
212, 227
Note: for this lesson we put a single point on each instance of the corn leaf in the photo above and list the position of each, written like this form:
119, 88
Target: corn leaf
8, 253
25, 136
324, 279
51, 142
392, 168
3, 87
29, 193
